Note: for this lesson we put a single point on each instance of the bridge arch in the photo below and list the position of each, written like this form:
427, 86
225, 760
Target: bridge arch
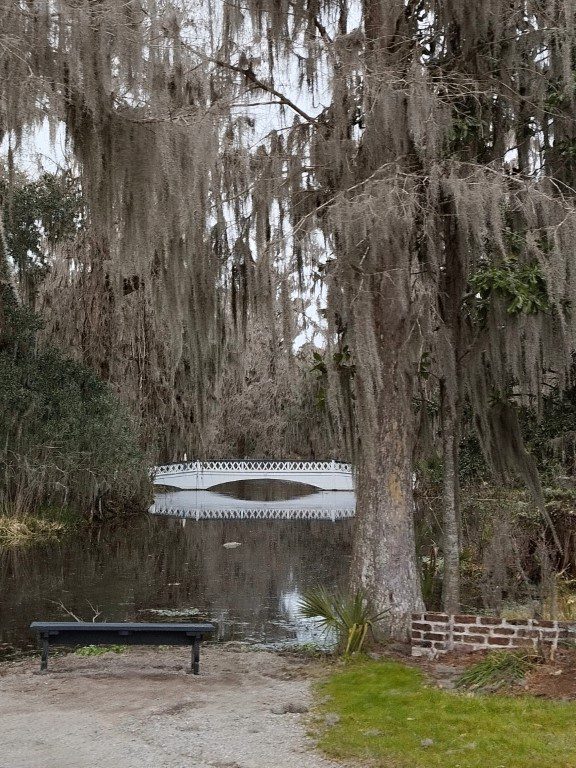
203, 475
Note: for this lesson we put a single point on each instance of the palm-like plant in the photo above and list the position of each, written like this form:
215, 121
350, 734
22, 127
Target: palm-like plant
348, 615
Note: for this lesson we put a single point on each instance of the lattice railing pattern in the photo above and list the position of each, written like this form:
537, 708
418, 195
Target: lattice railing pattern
226, 466
257, 514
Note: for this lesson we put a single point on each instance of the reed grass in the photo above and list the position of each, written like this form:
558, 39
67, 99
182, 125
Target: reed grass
18, 531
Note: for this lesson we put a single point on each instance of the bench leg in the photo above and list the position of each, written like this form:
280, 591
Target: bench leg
195, 665
44, 659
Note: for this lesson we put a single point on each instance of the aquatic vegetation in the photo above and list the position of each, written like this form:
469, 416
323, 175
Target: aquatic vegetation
171, 613
28, 530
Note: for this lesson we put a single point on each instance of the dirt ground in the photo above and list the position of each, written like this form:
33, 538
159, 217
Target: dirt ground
139, 709
548, 678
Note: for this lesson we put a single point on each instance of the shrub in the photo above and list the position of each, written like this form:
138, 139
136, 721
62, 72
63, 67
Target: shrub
349, 616
65, 439
496, 670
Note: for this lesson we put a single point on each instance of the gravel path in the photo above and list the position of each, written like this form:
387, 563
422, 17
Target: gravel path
139, 710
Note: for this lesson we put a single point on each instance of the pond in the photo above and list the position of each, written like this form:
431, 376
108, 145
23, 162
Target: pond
240, 557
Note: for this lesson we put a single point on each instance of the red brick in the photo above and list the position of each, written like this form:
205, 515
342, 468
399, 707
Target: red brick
434, 636
542, 623
523, 632
463, 648
504, 631
465, 619
490, 620
419, 625
416, 635
499, 641
443, 617
481, 630
522, 642
475, 639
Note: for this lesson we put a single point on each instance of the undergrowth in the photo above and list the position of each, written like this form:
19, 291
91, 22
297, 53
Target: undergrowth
497, 670
99, 650
348, 616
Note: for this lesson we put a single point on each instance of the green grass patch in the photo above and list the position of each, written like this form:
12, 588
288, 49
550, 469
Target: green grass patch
99, 650
390, 717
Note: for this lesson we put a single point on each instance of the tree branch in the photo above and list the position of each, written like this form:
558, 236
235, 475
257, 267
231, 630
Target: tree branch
250, 76
322, 30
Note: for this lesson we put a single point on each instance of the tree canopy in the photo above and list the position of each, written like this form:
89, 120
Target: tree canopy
417, 156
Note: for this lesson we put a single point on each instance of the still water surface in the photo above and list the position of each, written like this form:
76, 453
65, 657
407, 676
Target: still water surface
168, 567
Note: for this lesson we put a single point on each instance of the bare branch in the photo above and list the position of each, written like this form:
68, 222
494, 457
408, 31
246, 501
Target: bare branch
63, 608
249, 74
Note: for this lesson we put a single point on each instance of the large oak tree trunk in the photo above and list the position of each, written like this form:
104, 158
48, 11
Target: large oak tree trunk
384, 555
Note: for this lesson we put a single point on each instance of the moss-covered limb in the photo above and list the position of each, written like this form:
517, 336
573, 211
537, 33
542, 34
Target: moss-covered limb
389, 716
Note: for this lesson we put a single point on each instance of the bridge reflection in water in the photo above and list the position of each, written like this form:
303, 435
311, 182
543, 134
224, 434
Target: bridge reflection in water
206, 505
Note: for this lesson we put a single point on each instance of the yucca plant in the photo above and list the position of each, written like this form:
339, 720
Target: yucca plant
348, 615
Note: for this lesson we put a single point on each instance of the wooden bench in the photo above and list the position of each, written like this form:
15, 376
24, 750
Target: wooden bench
102, 633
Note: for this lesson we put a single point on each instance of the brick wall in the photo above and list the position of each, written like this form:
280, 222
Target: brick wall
436, 633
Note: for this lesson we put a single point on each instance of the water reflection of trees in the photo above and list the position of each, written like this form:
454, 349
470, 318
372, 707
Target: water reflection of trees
164, 563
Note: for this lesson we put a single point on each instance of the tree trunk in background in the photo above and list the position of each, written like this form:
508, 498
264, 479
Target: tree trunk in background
452, 287
451, 511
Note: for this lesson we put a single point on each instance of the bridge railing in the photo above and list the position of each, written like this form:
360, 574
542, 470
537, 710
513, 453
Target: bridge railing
253, 466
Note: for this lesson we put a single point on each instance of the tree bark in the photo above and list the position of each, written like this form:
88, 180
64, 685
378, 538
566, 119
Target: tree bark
451, 511
452, 286
384, 554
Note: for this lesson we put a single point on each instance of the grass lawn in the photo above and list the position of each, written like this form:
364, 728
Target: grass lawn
388, 715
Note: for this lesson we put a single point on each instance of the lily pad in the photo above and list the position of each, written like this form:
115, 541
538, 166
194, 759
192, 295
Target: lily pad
172, 613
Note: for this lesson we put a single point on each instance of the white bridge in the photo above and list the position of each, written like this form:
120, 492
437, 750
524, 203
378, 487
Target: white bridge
202, 475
